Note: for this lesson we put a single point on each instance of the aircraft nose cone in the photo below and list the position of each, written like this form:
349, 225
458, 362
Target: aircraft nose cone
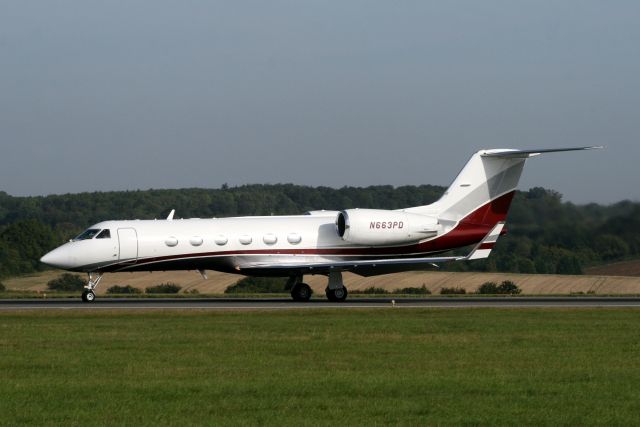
58, 258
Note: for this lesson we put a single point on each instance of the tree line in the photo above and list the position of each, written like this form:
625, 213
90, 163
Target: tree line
545, 234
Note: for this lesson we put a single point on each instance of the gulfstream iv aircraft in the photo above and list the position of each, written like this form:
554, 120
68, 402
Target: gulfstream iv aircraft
365, 241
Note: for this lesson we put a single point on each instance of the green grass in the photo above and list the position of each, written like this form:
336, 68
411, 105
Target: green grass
320, 367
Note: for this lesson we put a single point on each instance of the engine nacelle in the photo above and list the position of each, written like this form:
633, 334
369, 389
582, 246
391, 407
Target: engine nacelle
382, 227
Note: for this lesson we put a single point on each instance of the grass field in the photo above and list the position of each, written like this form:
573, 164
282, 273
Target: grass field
320, 367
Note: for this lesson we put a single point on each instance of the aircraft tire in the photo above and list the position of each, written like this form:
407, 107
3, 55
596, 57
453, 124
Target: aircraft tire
301, 292
88, 296
337, 295
329, 293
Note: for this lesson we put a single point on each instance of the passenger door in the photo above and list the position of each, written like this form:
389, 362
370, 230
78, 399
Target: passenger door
128, 240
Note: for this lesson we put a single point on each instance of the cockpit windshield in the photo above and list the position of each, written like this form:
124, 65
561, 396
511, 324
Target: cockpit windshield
104, 234
87, 234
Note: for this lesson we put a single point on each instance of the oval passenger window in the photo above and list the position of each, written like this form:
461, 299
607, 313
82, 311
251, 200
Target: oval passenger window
270, 239
294, 238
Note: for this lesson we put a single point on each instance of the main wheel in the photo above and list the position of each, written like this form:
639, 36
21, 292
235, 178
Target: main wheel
336, 295
301, 292
88, 296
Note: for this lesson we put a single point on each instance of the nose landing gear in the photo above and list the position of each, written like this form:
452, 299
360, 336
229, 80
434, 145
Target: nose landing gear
88, 295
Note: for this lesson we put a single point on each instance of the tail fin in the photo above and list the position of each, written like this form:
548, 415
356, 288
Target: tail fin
483, 190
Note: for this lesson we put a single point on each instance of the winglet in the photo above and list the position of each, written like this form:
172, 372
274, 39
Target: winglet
170, 217
483, 249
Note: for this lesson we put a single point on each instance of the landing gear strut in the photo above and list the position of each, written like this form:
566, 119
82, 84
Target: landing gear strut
336, 292
88, 295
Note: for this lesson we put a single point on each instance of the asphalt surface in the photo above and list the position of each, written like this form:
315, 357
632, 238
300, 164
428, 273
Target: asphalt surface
285, 303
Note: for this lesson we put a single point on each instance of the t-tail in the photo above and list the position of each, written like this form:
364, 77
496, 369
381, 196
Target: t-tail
480, 196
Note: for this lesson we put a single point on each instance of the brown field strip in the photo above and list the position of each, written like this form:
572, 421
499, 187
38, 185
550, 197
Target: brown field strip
531, 284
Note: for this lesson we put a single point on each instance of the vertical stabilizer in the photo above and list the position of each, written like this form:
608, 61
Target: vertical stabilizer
482, 180
482, 191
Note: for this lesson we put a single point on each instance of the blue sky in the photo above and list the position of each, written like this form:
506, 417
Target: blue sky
99, 96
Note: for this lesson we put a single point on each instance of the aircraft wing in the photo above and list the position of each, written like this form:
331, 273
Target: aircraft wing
370, 267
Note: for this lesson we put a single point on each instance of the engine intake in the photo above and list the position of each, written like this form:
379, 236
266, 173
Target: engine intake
383, 227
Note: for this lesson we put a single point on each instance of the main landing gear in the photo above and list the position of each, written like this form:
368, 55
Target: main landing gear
88, 295
300, 292
336, 295
335, 291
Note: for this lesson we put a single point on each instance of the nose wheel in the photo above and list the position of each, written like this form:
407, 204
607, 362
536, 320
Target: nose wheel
88, 295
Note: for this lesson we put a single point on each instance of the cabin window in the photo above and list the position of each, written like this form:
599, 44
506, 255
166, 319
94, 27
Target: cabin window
88, 234
270, 239
294, 238
104, 234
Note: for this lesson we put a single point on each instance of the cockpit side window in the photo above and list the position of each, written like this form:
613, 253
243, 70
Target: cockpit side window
88, 234
104, 234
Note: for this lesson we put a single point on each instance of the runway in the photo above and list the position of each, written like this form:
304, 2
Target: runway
319, 304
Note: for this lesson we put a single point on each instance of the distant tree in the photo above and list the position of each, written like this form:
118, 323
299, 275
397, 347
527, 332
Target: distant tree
452, 291
544, 260
66, 282
525, 265
371, 290
2, 287
22, 243
611, 247
568, 264
127, 289
488, 288
164, 288
422, 290
256, 285
508, 287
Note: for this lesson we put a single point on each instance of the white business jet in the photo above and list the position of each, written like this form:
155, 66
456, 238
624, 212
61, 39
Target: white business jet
365, 241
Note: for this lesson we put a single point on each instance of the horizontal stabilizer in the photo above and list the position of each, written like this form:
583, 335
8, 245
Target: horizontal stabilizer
524, 154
